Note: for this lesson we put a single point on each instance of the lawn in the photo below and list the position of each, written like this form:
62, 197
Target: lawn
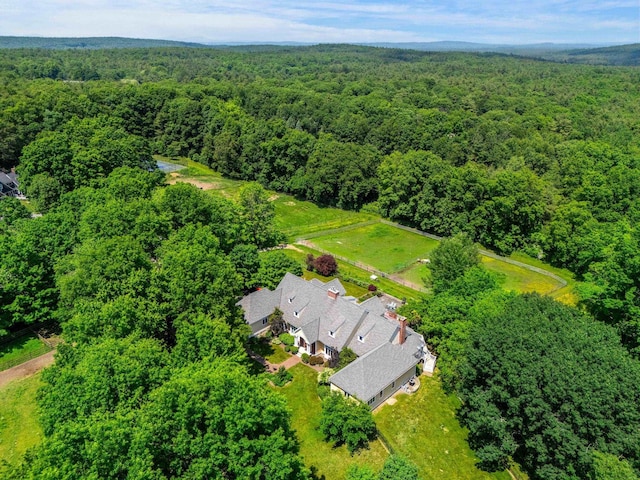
273, 353
424, 428
520, 279
348, 271
382, 246
326, 461
298, 218
20, 350
19, 427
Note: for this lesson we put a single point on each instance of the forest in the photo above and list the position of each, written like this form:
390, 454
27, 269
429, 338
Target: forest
514, 154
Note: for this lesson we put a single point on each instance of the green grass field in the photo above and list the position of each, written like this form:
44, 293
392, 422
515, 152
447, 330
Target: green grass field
325, 460
379, 245
348, 271
273, 353
424, 428
21, 350
514, 277
19, 427
296, 218
382, 246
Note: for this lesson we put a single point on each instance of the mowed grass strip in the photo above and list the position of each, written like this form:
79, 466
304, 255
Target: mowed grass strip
21, 350
296, 218
424, 428
520, 279
385, 247
325, 460
19, 427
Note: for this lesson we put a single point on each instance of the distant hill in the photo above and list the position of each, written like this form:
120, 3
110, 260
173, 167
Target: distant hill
90, 43
484, 47
617, 55
627, 55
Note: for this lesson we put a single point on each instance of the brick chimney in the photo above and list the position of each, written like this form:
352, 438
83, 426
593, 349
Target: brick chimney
402, 335
333, 293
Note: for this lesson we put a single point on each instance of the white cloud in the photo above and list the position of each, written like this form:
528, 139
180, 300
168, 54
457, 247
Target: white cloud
515, 21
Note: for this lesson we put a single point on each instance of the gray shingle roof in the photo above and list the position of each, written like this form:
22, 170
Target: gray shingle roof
373, 372
259, 304
307, 305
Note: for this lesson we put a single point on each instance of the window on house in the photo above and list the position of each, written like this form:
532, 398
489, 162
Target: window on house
393, 384
265, 320
347, 394
296, 314
360, 338
291, 300
371, 401
332, 334
381, 392
328, 350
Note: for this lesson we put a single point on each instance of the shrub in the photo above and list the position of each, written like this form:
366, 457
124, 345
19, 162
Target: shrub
294, 350
326, 265
346, 357
372, 287
287, 339
323, 391
323, 376
305, 358
268, 335
276, 341
287, 348
310, 260
281, 377
316, 360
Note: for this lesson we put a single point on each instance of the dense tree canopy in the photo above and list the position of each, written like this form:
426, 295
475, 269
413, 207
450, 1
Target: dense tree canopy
514, 153
546, 384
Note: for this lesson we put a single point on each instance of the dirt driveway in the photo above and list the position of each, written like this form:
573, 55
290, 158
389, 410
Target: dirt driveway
26, 369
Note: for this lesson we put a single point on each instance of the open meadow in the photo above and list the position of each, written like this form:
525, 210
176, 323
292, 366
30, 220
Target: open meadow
19, 427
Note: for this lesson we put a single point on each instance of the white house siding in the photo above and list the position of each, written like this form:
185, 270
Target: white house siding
391, 388
258, 327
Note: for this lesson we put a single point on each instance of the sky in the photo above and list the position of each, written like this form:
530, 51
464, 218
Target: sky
317, 21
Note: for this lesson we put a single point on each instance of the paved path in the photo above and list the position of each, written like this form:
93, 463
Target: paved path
26, 369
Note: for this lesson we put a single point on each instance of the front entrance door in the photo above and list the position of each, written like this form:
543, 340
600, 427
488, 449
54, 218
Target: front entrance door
313, 348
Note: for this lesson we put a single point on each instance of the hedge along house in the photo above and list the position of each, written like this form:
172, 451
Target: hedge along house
324, 321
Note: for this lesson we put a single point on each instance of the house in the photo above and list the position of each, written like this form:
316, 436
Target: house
323, 321
9, 185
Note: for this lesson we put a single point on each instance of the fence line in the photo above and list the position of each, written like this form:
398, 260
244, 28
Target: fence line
486, 253
385, 443
331, 231
7, 364
30, 330
368, 268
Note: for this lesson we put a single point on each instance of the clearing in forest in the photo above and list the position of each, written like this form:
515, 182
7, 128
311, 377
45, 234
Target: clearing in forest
382, 246
361, 237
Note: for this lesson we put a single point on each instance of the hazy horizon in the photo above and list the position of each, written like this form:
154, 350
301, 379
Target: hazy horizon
357, 21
